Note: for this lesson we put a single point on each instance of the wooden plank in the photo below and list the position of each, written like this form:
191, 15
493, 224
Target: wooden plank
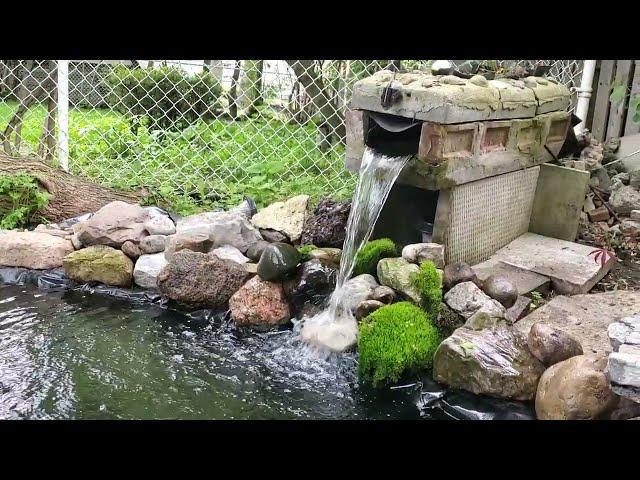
630, 127
617, 112
601, 108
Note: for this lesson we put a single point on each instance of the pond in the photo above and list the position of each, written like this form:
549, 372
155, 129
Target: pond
68, 354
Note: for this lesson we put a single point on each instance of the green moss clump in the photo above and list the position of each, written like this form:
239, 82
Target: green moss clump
394, 340
428, 282
304, 252
368, 256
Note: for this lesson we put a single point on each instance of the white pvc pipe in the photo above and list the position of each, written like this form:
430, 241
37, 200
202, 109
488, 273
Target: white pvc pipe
63, 114
584, 94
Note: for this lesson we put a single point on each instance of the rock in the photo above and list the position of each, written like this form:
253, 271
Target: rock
625, 409
422, 252
624, 368
466, 299
99, 263
158, 224
383, 294
634, 179
222, 227
131, 250
501, 289
328, 256
312, 284
619, 180
287, 217
600, 214
457, 273
70, 222
357, 290
551, 345
277, 261
625, 331
635, 215
630, 228
191, 240
35, 250
519, 309
254, 252
396, 273
153, 244
273, 236
147, 269
251, 268
229, 253
575, 389
625, 199
488, 362
259, 304
448, 320
75, 241
247, 208
487, 317
367, 307
326, 227
198, 280
600, 178
114, 224
480, 81
631, 393
51, 230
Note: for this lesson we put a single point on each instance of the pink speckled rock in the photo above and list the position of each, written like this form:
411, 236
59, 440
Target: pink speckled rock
260, 304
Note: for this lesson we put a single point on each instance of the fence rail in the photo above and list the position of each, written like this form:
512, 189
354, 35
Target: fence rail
196, 133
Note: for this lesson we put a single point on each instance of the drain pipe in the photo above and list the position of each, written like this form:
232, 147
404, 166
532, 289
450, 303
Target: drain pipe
584, 94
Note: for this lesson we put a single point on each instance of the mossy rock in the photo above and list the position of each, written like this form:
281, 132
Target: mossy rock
368, 256
396, 340
99, 263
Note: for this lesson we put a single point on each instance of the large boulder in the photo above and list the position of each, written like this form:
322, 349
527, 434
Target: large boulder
147, 269
396, 273
624, 199
190, 240
157, 223
312, 285
277, 261
222, 227
494, 362
34, 250
424, 252
114, 224
99, 263
467, 299
259, 304
326, 227
551, 345
254, 252
455, 273
287, 217
575, 389
199, 280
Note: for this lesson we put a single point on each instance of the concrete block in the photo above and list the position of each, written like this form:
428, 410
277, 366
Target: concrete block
558, 201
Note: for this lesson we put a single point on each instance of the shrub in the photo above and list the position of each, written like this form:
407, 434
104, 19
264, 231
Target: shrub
304, 252
394, 340
368, 256
167, 97
428, 282
20, 200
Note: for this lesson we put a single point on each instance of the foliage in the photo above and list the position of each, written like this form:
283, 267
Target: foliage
602, 255
368, 256
24, 199
618, 95
166, 97
428, 282
394, 340
305, 250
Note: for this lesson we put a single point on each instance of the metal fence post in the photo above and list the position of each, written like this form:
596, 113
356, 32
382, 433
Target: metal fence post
63, 113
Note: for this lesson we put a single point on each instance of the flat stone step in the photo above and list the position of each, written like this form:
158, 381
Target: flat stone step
525, 281
567, 264
586, 317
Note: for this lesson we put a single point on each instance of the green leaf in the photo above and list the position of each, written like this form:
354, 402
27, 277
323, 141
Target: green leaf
618, 94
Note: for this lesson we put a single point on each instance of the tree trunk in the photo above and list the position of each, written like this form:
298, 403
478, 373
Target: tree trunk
253, 69
233, 92
70, 195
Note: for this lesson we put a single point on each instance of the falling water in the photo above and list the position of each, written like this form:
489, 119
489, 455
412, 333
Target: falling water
336, 328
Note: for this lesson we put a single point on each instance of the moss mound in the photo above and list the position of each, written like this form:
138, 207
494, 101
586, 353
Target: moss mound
368, 256
305, 250
395, 340
428, 282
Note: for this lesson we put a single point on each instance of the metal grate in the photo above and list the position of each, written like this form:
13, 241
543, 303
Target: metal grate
488, 214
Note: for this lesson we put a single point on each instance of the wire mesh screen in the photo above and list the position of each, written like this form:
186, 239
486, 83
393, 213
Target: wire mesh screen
200, 133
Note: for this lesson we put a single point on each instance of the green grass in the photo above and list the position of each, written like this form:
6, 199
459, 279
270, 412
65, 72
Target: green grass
395, 340
209, 164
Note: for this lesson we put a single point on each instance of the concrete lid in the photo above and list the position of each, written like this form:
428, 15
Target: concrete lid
449, 99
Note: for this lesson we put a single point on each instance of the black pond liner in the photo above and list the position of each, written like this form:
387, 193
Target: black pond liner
431, 399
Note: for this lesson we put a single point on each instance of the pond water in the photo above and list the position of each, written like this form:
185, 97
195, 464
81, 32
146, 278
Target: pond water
76, 355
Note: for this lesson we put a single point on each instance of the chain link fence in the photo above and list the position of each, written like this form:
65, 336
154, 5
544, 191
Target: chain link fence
198, 133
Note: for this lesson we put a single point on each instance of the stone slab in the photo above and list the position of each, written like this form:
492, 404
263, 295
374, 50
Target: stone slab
569, 266
558, 202
586, 317
525, 281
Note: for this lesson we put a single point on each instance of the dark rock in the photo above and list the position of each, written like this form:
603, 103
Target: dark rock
448, 320
198, 280
131, 250
551, 345
457, 273
277, 261
254, 252
519, 310
365, 308
274, 236
501, 289
312, 284
260, 305
326, 227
